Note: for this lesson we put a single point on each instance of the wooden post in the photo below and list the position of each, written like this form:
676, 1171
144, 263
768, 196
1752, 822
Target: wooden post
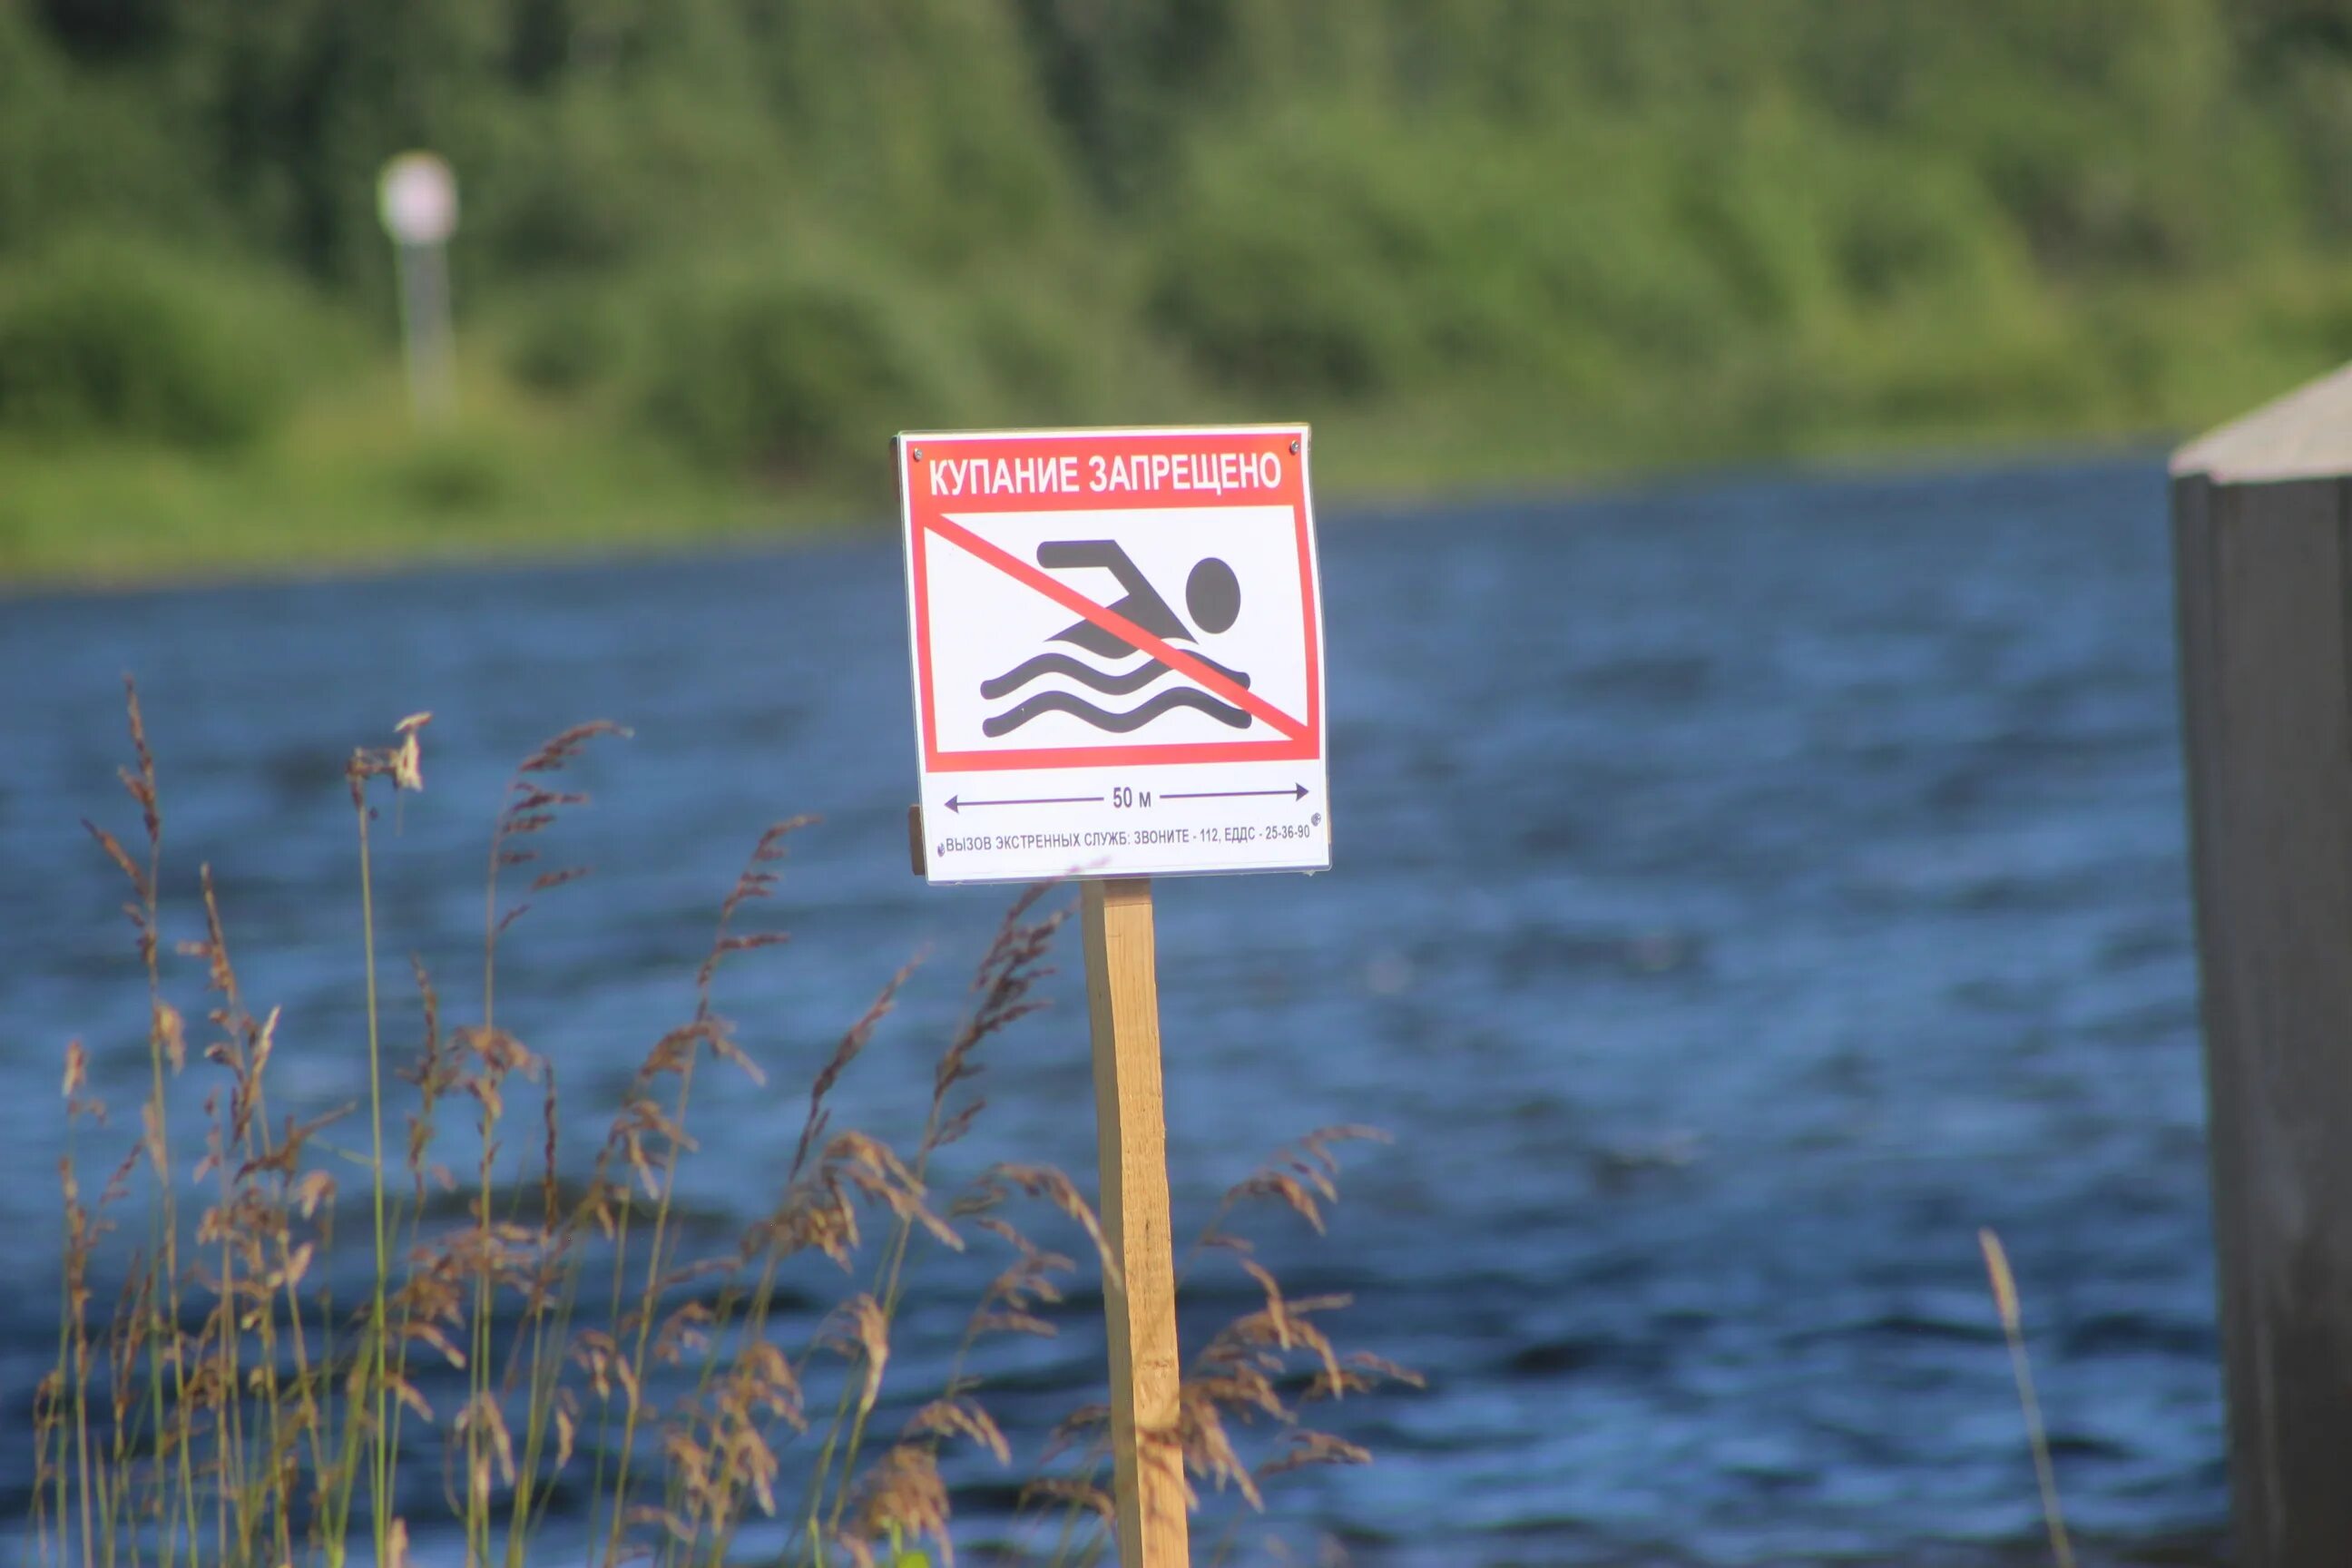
2262, 515
1123, 1000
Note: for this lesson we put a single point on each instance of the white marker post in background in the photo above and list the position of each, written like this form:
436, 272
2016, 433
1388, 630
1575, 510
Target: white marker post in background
416, 197
1118, 642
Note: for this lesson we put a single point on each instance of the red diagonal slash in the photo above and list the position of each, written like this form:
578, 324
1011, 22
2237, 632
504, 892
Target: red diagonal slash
1118, 625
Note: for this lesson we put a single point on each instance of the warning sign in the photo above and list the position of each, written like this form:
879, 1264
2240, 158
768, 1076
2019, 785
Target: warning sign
1118, 652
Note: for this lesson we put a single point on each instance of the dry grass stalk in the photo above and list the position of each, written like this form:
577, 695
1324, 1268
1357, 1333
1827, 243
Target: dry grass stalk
901, 1500
2012, 1326
1258, 1370
230, 1409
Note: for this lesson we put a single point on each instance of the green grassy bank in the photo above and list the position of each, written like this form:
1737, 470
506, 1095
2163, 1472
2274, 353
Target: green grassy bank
714, 250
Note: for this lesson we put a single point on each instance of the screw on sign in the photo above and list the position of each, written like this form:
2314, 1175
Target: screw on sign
1118, 657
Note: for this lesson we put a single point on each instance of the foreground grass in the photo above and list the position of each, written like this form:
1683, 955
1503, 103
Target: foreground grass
556, 1340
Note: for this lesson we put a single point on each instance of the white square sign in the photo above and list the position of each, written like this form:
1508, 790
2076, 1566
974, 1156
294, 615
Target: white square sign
1118, 640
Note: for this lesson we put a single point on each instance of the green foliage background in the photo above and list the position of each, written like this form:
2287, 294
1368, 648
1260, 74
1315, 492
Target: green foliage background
715, 250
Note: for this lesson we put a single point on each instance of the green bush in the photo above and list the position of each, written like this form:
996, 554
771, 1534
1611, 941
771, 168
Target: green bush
82, 150
1333, 252
451, 475
556, 352
788, 374
1294, 272
113, 337
568, 339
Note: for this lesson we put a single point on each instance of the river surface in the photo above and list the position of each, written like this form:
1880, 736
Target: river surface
1742, 893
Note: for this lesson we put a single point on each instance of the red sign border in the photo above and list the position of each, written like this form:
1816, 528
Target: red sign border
921, 507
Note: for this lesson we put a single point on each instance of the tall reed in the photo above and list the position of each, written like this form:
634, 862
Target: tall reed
548, 1340
2012, 1328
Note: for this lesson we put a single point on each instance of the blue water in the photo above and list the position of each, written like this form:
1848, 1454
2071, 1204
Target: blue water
1742, 893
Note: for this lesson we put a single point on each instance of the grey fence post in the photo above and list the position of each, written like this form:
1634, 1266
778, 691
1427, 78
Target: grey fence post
2262, 521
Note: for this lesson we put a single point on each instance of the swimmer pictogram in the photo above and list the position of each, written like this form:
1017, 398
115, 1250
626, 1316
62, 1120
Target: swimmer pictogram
1213, 596
1230, 697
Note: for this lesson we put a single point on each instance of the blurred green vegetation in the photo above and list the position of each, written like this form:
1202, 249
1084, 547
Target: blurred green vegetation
714, 251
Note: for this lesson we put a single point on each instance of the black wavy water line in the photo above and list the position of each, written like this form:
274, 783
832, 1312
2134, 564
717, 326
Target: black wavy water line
1110, 685
1135, 718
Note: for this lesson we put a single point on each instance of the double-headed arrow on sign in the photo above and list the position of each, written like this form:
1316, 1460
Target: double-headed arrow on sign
1295, 792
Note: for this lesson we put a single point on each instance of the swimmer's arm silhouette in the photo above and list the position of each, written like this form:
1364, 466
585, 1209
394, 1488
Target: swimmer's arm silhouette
1142, 604
1063, 554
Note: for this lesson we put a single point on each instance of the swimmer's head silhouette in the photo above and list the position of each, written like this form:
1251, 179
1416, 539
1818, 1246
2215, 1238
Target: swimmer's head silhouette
1213, 595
